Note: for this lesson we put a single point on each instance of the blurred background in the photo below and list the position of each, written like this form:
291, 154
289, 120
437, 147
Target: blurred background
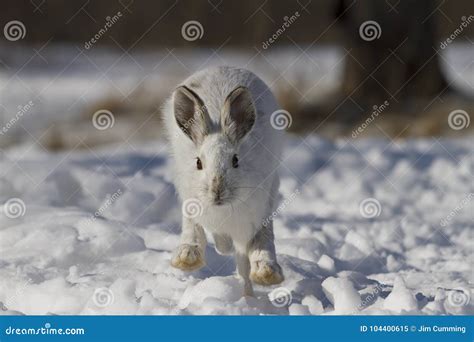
341, 68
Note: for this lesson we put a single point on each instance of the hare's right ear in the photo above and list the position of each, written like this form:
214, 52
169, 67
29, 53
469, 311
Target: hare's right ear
238, 114
191, 114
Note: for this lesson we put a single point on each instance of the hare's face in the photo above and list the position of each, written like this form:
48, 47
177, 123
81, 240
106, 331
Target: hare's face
217, 172
216, 176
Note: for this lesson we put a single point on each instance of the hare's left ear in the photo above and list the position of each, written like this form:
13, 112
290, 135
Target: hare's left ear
238, 114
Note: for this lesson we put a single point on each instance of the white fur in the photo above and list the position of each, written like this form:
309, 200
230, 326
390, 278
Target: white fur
259, 155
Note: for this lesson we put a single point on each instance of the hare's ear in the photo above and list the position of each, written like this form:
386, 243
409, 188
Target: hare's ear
238, 114
191, 114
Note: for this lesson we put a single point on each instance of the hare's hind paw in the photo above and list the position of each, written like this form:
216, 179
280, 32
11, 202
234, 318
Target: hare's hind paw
188, 257
264, 272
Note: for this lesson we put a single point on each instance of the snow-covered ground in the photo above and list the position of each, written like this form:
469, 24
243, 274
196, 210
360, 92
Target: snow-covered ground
368, 226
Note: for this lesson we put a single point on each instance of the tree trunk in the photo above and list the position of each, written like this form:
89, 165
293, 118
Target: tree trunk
394, 58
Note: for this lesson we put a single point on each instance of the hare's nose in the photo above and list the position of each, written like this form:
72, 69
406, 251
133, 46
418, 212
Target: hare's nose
217, 188
217, 181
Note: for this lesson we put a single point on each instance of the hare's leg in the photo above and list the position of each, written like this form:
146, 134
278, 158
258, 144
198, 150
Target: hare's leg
264, 269
190, 254
243, 267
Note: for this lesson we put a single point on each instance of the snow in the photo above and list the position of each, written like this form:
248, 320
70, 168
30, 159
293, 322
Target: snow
314, 305
327, 264
95, 231
342, 295
400, 299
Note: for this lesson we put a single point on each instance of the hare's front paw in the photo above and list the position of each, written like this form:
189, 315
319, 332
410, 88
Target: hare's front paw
266, 272
188, 257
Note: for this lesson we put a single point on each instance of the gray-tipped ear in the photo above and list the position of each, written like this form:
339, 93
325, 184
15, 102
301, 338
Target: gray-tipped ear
238, 115
191, 114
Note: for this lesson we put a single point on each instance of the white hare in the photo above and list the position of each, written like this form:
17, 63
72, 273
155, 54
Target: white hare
226, 155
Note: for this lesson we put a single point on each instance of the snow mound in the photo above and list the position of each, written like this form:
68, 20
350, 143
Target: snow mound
373, 227
342, 294
401, 299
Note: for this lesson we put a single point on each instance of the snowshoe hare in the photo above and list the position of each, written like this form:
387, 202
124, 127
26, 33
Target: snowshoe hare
226, 155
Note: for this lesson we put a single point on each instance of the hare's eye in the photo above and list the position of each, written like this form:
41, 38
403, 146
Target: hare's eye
198, 164
235, 161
